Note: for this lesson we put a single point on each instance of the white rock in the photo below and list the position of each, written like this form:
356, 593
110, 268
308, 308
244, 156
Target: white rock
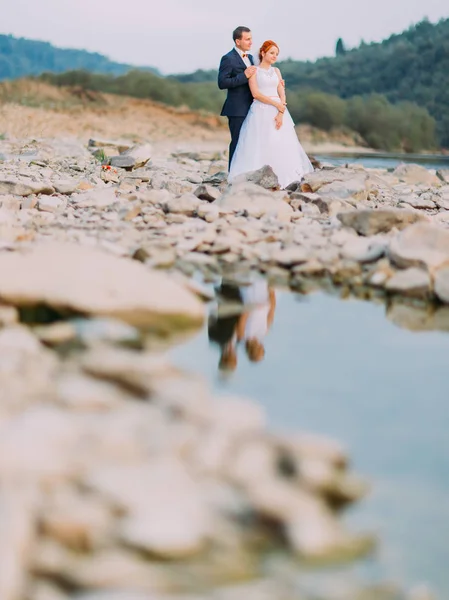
90, 281
51, 204
412, 281
420, 245
256, 201
167, 515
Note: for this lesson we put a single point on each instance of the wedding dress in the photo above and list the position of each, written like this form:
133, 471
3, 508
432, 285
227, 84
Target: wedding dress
260, 143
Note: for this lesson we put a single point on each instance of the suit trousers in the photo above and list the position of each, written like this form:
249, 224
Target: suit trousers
235, 124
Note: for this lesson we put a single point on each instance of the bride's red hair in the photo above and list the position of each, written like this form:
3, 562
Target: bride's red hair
265, 47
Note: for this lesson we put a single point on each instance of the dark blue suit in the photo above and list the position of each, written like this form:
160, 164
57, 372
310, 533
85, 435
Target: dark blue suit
231, 77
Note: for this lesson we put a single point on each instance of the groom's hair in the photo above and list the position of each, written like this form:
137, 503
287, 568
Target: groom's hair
239, 31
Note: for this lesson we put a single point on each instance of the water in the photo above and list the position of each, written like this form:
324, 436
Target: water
386, 160
342, 369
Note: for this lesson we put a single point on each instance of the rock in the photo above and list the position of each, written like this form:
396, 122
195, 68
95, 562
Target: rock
89, 281
40, 444
443, 174
21, 188
122, 162
166, 514
121, 145
80, 392
441, 284
135, 157
328, 206
315, 534
51, 204
416, 175
43, 590
217, 178
421, 245
9, 315
265, 177
207, 192
110, 572
65, 186
255, 201
419, 202
26, 368
208, 212
363, 250
97, 198
442, 202
130, 211
372, 221
289, 257
17, 513
187, 204
76, 521
411, 282
354, 188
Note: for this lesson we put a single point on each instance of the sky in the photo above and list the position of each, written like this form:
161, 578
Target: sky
181, 36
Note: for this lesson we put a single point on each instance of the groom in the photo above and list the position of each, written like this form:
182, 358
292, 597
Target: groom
236, 67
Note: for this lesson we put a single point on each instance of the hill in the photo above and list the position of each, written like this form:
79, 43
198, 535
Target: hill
412, 66
20, 57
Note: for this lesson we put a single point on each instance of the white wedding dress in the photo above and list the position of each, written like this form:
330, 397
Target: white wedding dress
260, 143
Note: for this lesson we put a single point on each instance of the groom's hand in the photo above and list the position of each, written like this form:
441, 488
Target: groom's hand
249, 71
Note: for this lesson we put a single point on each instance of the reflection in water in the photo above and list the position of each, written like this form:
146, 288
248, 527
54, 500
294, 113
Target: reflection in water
373, 374
246, 326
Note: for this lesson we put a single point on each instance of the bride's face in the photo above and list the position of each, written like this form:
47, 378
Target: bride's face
271, 55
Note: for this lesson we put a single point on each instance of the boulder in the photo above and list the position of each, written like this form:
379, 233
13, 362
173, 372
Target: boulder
363, 250
255, 201
265, 177
25, 188
372, 221
411, 282
421, 245
89, 281
354, 188
166, 513
416, 175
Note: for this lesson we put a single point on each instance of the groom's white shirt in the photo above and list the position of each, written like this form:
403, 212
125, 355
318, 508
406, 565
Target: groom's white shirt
245, 60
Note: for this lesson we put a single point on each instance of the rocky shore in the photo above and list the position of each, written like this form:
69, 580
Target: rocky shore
123, 478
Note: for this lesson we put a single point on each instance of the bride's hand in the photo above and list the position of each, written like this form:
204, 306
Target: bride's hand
279, 120
280, 107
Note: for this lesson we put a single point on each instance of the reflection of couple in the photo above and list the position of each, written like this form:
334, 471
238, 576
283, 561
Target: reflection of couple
248, 328
262, 130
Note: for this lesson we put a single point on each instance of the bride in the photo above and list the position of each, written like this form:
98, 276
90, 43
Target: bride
268, 136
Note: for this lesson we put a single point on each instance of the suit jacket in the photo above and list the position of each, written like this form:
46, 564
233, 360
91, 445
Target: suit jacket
231, 77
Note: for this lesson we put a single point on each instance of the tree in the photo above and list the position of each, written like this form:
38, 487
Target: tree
340, 49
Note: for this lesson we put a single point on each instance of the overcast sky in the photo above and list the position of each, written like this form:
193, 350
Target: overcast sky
174, 37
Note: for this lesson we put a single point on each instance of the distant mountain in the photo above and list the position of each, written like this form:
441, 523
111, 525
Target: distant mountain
411, 66
20, 57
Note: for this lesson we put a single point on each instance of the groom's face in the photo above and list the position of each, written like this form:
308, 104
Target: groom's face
245, 42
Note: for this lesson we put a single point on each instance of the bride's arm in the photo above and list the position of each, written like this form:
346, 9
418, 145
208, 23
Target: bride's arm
281, 88
265, 99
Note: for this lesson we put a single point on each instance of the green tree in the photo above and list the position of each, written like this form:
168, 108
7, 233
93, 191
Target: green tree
340, 49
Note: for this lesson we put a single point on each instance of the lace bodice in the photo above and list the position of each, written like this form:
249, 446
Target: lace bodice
267, 81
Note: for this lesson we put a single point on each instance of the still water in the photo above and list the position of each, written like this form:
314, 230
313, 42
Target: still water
343, 369
387, 160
